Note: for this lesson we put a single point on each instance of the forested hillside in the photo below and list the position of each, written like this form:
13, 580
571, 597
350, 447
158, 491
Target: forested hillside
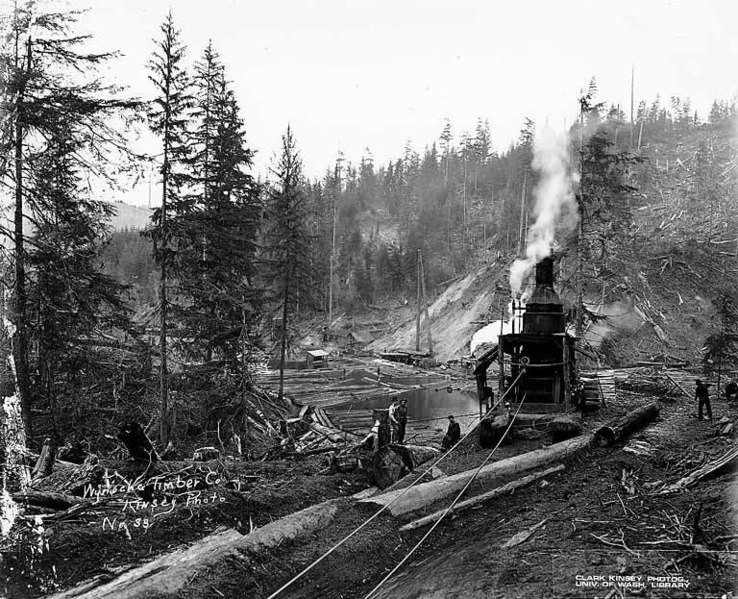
231, 271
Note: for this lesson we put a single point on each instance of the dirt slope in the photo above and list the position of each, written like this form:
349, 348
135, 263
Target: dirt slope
456, 314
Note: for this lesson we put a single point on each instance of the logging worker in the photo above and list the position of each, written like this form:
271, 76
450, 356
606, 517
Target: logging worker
453, 434
731, 391
393, 421
702, 394
401, 417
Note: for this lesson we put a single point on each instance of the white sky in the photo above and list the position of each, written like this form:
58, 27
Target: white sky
354, 74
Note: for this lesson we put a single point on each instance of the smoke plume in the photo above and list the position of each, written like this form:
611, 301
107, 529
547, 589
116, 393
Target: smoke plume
555, 206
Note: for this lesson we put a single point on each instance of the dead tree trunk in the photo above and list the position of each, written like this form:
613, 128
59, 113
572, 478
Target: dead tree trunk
621, 428
45, 462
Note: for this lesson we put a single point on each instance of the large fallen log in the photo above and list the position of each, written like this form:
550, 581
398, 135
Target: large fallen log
564, 427
622, 427
722, 464
393, 461
56, 501
522, 420
403, 501
167, 575
511, 486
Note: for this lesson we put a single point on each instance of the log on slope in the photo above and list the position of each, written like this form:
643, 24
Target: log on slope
168, 574
622, 427
403, 501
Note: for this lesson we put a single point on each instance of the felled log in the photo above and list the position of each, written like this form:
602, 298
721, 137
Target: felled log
564, 427
45, 462
417, 497
722, 464
394, 461
511, 486
334, 435
72, 481
56, 501
137, 443
522, 420
622, 427
168, 574
493, 427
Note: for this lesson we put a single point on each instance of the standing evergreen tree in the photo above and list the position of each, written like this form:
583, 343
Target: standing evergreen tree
168, 119
50, 91
287, 242
68, 294
217, 230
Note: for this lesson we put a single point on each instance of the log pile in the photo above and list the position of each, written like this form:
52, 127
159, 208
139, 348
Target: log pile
312, 432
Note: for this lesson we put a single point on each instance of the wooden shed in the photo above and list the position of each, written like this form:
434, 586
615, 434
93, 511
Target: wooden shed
317, 358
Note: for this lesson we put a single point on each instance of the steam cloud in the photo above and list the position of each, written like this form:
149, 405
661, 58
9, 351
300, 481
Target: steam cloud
555, 206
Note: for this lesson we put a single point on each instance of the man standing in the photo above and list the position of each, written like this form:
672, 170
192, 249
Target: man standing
393, 421
453, 434
401, 417
702, 394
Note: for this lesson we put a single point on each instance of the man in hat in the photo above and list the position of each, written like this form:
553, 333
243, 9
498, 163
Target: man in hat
401, 417
453, 434
702, 395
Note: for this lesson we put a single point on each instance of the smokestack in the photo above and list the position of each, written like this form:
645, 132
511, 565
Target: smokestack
544, 312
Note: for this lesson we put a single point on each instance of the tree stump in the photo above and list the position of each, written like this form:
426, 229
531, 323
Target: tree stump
493, 427
394, 461
45, 462
137, 443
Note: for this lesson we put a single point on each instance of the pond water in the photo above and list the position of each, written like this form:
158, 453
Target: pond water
423, 404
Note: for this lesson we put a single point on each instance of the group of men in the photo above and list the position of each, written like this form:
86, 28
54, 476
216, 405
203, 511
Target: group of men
398, 421
702, 395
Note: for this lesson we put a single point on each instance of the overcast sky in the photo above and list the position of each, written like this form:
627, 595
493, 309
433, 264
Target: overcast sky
348, 75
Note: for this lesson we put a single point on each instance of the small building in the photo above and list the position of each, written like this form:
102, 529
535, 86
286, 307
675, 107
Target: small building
356, 340
317, 358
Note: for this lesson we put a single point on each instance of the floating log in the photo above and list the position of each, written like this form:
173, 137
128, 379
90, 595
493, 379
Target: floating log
408, 500
394, 461
511, 486
167, 575
622, 427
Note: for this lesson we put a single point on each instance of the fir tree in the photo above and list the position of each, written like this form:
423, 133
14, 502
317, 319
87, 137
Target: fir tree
286, 241
168, 119
51, 90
